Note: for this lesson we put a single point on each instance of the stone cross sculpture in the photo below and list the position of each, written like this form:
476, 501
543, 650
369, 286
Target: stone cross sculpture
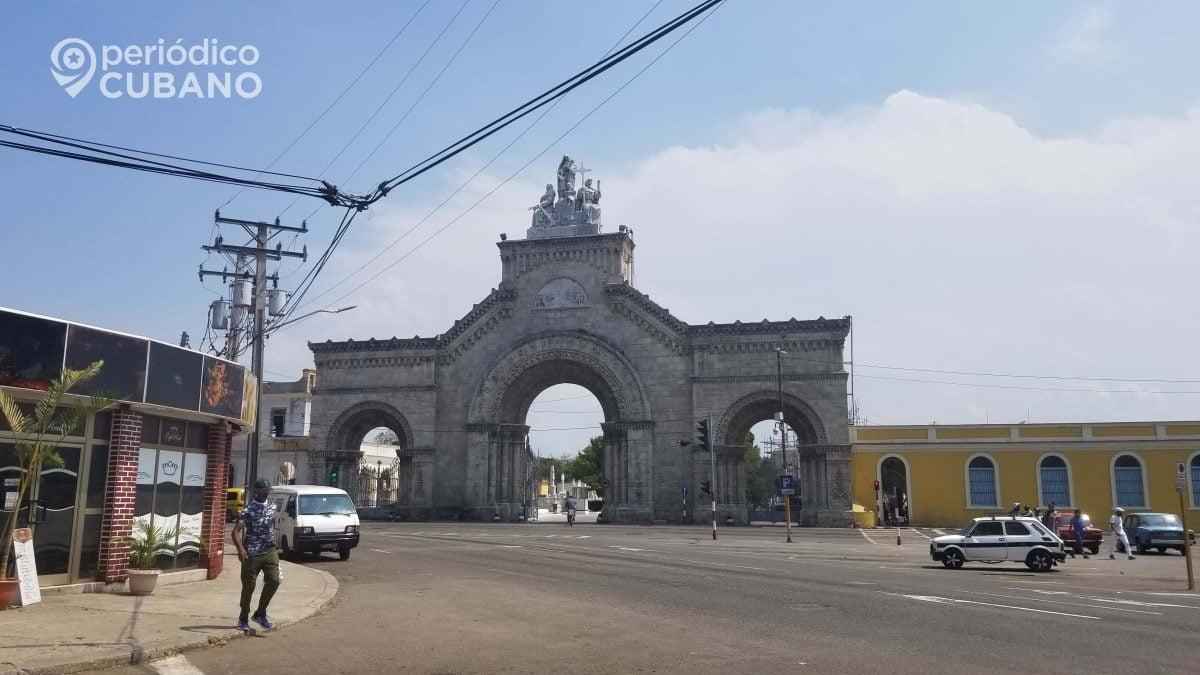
586, 202
577, 209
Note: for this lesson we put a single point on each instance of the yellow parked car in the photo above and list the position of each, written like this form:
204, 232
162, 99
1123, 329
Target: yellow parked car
235, 501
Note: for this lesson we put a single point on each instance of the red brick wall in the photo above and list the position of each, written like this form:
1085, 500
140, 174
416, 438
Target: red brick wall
212, 555
117, 521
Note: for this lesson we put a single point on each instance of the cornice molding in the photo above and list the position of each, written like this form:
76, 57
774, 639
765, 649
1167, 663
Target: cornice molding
331, 391
838, 328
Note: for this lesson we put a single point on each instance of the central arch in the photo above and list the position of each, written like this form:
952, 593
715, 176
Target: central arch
498, 410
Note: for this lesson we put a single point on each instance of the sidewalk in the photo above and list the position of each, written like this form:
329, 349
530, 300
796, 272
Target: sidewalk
70, 632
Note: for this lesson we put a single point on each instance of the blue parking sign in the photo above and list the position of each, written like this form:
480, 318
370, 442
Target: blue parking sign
787, 484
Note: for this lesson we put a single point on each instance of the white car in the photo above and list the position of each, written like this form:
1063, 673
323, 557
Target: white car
1000, 539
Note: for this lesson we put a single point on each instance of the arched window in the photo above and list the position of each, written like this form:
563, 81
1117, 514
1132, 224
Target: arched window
1194, 470
1056, 481
981, 482
1127, 481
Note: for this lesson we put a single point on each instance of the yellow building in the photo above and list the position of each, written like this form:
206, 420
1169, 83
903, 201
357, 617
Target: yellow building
942, 475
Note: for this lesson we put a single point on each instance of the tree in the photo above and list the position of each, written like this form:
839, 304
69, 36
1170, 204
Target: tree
588, 465
39, 434
760, 477
387, 437
544, 464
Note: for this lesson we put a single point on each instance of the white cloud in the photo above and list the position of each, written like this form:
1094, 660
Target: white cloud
959, 241
1086, 35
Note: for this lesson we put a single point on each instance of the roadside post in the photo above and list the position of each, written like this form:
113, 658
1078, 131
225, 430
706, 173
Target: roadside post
787, 488
683, 492
1181, 487
896, 513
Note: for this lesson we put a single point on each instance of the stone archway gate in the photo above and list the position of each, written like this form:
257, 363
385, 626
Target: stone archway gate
566, 311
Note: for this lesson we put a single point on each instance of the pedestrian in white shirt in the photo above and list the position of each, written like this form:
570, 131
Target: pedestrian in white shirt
1117, 528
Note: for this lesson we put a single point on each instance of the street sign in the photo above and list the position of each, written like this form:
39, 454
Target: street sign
787, 484
1180, 477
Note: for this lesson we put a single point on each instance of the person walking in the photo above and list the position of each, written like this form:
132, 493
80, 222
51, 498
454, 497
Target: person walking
1118, 532
1078, 528
254, 538
569, 509
1049, 516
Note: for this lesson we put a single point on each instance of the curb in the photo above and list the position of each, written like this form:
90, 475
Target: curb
136, 656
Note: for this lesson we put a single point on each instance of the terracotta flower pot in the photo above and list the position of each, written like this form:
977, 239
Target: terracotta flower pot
8, 592
142, 582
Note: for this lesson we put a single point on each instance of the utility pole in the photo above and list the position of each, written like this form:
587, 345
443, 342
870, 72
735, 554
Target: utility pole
261, 232
787, 508
712, 465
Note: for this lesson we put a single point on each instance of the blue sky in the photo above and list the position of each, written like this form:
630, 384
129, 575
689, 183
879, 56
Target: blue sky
843, 86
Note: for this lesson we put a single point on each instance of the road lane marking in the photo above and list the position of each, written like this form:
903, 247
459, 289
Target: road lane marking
940, 533
175, 665
1060, 602
868, 537
920, 533
1097, 598
955, 601
379, 550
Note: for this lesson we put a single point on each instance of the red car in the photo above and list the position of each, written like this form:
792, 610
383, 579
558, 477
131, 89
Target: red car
1092, 536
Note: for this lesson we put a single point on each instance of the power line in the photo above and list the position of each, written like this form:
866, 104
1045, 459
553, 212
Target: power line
1008, 375
339, 96
545, 98
96, 153
481, 169
524, 166
1005, 386
397, 87
420, 98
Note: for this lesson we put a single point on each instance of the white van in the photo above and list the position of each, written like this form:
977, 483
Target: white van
314, 518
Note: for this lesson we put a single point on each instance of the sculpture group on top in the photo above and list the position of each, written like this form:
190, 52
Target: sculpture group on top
572, 207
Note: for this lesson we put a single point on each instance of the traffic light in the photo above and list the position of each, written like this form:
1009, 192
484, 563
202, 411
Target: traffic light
333, 476
705, 487
877, 486
702, 433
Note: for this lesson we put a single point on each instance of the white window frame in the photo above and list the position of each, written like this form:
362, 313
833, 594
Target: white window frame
995, 480
1112, 480
1070, 480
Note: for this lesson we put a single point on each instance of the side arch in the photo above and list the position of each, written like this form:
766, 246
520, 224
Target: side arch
752, 408
353, 423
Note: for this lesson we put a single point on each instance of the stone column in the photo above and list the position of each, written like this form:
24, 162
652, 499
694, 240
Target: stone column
116, 523
632, 447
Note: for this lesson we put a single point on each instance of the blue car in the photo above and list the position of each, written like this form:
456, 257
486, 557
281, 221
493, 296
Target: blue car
1159, 531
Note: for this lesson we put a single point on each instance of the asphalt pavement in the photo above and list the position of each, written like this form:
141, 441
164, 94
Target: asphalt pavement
516, 598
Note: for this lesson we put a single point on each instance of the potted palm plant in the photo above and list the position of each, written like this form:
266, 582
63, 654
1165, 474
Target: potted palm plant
37, 437
147, 544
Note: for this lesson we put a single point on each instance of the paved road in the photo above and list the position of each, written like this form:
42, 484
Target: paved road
468, 598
